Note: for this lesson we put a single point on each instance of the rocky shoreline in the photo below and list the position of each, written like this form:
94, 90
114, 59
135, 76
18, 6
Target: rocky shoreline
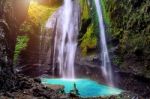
31, 88
127, 81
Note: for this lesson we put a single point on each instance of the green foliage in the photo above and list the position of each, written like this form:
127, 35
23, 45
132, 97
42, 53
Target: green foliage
90, 36
20, 45
105, 12
94, 17
89, 40
85, 9
130, 24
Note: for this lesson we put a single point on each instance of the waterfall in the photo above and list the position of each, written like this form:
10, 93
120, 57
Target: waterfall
68, 40
64, 26
106, 63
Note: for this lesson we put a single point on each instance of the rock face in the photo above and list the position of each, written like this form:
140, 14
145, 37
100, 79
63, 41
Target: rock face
37, 57
9, 28
4, 50
21, 87
8, 32
88, 67
134, 83
47, 39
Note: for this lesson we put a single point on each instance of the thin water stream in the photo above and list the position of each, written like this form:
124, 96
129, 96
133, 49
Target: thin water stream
106, 63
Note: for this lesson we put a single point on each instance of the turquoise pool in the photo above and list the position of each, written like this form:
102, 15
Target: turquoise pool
86, 87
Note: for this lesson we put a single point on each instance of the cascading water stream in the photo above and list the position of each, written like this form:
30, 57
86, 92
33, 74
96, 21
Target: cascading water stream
68, 39
68, 45
65, 27
106, 64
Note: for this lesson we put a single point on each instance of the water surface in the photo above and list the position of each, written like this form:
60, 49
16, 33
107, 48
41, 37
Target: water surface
86, 87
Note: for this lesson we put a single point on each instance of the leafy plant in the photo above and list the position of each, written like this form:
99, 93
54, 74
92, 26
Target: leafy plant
20, 45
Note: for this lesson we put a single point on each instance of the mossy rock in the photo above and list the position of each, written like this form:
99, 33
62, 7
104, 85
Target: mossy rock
88, 41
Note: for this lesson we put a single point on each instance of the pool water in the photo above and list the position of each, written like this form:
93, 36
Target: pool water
86, 87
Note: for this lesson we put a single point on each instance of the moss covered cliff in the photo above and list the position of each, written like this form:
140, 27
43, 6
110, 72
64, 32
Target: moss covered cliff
130, 30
